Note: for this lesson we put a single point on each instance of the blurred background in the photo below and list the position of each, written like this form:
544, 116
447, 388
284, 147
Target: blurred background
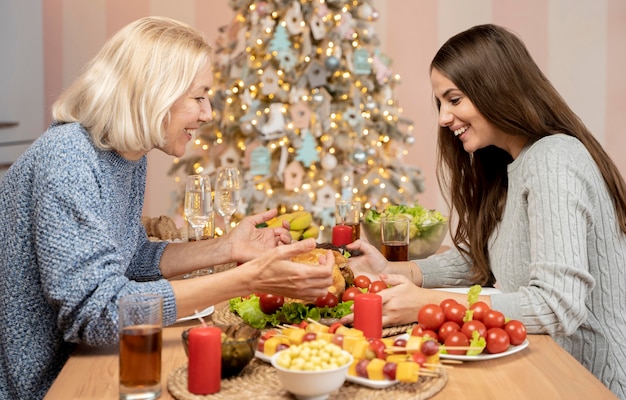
579, 44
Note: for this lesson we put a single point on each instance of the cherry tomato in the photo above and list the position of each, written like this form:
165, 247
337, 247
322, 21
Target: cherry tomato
329, 300
362, 282
479, 308
350, 293
446, 329
446, 303
417, 330
270, 303
516, 331
474, 325
431, 316
455, 312
377, 286
333, 327
428, 333
497, 340
419, 357
493, 319
456, 339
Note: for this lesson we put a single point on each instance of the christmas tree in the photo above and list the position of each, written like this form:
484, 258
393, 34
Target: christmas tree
304, 106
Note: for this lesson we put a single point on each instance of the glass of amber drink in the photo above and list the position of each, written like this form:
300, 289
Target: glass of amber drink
141, 324
394, 235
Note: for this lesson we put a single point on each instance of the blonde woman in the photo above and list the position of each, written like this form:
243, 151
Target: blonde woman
71, 234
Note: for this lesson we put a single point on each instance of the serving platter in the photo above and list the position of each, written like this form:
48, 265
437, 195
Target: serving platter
486, 356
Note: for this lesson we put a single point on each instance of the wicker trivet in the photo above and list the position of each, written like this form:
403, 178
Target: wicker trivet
259, 381
223, 315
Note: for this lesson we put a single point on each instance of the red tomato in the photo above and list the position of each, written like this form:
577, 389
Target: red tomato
329, 300
474, 325
446, 303
350, 293
270, 303
362, 282
516, 331
430, 316
446, 329
479, 308
417, 330
455, 312
493, 319
377, 286
497, 340
456, 339
333, 327
428, 333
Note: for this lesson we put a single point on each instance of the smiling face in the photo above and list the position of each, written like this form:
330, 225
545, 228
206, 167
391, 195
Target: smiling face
188, 113
466, 122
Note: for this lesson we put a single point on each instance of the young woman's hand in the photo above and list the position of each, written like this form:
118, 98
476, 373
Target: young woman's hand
370, 262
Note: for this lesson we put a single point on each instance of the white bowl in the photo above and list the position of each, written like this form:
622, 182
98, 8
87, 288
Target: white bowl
311, 385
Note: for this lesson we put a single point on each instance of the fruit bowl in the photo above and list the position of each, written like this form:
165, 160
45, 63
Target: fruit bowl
239, 342
426, 243
312, 384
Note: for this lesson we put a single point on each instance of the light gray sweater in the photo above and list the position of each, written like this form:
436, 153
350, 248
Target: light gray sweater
558, 256
71, 243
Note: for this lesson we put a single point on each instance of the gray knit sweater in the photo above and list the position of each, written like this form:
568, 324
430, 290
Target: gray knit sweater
71, 245
558, 256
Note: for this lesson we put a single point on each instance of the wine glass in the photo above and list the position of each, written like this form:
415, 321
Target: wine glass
198, 204
227, 193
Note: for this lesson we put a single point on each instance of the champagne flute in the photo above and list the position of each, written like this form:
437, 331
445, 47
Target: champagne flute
198, 204
227, 193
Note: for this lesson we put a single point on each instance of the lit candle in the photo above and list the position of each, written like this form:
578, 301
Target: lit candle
368, 314
342, 235
204, 372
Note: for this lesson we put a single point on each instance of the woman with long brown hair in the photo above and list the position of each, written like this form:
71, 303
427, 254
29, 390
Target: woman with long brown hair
540, 208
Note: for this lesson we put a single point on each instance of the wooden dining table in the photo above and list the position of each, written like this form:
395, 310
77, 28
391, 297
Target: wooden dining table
541, 371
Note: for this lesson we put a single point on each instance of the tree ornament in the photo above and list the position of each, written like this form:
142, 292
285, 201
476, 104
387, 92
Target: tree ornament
358, 157
332, 63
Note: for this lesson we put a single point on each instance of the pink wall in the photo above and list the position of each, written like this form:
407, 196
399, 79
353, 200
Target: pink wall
580, 46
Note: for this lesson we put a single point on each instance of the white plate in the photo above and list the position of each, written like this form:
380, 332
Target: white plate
487, 356
203, 313
370, 383
482, 356
260, 355
354, 379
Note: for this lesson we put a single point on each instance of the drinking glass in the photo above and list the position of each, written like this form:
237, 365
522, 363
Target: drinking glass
140, 327
227, 193
394, 237
198, 203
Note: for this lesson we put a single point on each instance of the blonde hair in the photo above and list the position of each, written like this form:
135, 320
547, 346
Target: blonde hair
124, 95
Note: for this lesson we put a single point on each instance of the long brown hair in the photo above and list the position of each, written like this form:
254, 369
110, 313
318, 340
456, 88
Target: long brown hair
493, 68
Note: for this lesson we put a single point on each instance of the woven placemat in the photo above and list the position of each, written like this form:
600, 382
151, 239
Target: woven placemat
259, 381
223, 315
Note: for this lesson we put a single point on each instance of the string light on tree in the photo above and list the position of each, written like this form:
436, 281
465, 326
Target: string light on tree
303, 104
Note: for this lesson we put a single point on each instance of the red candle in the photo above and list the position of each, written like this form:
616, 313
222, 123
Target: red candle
342, 234
204, 372
368, 315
